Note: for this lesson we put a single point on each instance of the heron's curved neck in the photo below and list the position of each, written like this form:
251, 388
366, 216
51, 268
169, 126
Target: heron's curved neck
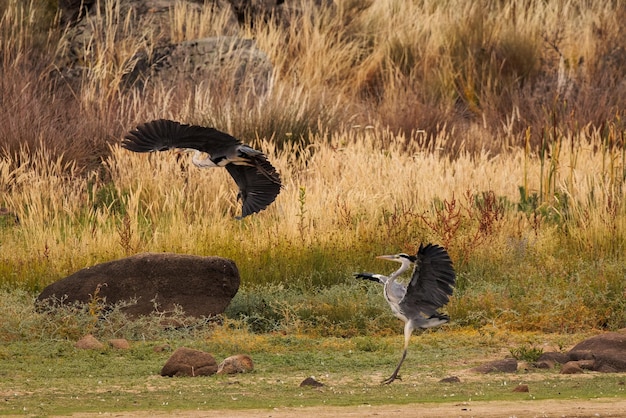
405, 265
198, 161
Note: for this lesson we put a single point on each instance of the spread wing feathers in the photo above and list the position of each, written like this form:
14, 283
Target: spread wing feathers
257, 159
432, 282
379, 278
256, 189
163, 134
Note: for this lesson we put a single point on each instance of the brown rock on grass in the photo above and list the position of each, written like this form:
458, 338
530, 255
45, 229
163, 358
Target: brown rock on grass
239, 363
607, 351
554, 357
571, 367
119, 343
450, 379
507, 365
310, 381
189, 362
201, 286
89, 342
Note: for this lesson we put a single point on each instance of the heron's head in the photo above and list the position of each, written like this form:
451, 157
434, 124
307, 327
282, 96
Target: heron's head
399, 258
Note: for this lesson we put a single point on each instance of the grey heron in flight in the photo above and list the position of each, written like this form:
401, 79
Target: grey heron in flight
258, 181
429, 289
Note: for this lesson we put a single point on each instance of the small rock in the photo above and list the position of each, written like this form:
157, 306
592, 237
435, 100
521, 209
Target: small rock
587, 364
119, 343
89, 342
310, 381
554, 356
571, 367
544, 364
161, 348
239, 363
521, 388
507, 365
581, 355
451, 379
604, 368
189, 362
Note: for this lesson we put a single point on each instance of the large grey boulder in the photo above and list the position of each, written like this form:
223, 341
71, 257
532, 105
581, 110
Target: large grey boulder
281, 11
158, 57
201, 286
210, 61
90, 19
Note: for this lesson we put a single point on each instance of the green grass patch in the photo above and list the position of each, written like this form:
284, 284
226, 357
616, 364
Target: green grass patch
53, 377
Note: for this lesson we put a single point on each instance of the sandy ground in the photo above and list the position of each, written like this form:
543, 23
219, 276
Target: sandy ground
520, 409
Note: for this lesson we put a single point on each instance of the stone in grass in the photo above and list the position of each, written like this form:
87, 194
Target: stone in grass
161, 348
544, 364
507, 365
606, 351
239, 363
554, 357
310, 381
451, 379
571, 367
521, 388
89, 342
189, 362
119, 343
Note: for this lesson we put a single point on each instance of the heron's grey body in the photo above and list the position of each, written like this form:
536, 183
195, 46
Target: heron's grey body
429, 289
257, 180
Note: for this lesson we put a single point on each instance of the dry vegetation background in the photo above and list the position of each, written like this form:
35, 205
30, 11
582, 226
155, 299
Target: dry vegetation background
495, 128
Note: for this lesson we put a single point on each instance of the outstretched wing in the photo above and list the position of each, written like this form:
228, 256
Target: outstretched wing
256, 189
432, 282
378, 278
163, 134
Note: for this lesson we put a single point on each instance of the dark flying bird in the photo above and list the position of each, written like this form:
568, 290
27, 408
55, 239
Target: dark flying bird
430, 288
258, 181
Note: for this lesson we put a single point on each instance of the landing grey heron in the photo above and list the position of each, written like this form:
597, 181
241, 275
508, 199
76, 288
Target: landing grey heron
258, 181
430, 288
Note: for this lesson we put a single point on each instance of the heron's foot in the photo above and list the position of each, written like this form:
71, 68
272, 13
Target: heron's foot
391, 378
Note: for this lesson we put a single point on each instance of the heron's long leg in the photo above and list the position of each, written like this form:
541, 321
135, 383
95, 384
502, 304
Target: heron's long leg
394, 375
408, 330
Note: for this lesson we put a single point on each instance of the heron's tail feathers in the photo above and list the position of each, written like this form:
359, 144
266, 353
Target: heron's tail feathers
440, 316
433, 321
254, 158
265, 168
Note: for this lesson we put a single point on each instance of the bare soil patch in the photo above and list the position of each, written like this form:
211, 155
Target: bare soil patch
519, 409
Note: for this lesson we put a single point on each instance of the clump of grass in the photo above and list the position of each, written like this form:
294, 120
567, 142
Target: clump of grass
526, 353
28, 320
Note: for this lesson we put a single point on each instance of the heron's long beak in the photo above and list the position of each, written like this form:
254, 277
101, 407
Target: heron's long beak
387, 257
